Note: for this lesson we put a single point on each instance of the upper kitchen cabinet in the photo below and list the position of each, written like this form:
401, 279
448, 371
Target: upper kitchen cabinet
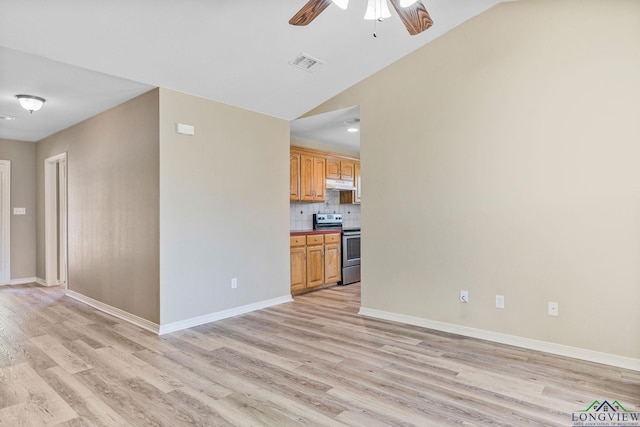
311, 178
294, 176
310, 169
340, 169
306, 177
352, 197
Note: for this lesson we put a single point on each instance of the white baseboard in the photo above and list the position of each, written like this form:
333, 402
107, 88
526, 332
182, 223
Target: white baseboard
24, 281
547, 347
116, 312
41, 282
219, 315
176, 326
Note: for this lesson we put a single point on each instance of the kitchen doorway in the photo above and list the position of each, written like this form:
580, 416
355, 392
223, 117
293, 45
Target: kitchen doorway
333, 133
5, 222
55, 221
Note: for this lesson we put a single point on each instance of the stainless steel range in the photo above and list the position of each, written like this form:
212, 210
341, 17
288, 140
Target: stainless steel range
350, 245
350, 256
327, 221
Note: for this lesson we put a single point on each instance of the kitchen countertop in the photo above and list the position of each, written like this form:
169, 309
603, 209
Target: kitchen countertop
305, 232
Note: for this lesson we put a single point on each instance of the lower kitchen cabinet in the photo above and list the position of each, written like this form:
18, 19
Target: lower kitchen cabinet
315, 261
332, 270
298, 264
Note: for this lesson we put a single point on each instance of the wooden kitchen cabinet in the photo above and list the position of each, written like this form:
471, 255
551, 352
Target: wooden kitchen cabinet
298, 264
340, 169
294, 176
352, 197
315, 261
312, 178
332, 270
309, 169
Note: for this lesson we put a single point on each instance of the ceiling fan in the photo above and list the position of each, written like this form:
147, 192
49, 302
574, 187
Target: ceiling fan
413, 14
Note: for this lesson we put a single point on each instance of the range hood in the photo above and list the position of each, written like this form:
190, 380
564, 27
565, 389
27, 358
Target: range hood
339, 184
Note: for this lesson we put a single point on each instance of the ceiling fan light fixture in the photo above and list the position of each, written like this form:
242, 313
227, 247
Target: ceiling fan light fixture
31, 103
407, 3
377, 9
342, 4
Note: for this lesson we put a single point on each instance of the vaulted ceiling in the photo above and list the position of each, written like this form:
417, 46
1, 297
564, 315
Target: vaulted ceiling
87, 56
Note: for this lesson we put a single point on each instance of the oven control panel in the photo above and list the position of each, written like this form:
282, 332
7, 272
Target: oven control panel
327, 218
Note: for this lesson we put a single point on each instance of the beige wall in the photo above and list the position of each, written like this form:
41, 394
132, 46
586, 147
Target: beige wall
224, 209
508, 149
113, 205
23, 195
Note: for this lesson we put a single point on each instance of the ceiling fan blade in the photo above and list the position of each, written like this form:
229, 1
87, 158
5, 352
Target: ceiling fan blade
309, 12
415, 17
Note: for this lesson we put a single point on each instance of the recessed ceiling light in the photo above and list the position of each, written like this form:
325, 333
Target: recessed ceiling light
351, 121
7, 117
352, 130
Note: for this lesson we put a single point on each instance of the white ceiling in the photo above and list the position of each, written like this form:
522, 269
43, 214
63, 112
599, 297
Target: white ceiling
87, 56
330, 128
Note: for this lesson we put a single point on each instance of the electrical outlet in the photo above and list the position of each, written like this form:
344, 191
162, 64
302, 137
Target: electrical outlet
234, 283
464, 296
553, 308
499, 301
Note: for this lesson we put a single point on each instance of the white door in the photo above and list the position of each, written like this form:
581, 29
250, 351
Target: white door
5, 238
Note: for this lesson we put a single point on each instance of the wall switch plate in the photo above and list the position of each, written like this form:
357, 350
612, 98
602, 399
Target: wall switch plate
464, 296
234, 283
499, 301
553, 308
19, 211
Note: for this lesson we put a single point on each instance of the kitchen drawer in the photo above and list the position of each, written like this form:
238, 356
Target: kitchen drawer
297, 241
315, 239
332, 238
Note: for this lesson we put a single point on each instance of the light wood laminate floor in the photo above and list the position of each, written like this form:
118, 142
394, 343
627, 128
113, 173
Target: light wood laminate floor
311, 362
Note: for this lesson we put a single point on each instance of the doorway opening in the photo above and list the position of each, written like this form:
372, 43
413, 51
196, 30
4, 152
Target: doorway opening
334, 137
5, 222
55, 220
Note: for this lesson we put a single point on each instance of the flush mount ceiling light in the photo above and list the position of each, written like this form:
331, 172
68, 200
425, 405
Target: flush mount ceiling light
31, 103
412, 13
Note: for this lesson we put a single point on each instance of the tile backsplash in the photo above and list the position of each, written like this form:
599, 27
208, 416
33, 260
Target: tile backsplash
301, 214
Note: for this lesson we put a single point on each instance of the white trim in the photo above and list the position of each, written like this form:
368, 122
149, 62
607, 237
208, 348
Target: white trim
62, 222
5, 222
219, 315
24, 281
51, 220
547, 347
116, 312
175, 326
41, 282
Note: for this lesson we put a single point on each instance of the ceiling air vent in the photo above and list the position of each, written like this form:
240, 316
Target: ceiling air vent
306, 62
349, 122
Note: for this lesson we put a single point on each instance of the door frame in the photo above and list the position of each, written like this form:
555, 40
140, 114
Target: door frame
5, 222
55, 220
